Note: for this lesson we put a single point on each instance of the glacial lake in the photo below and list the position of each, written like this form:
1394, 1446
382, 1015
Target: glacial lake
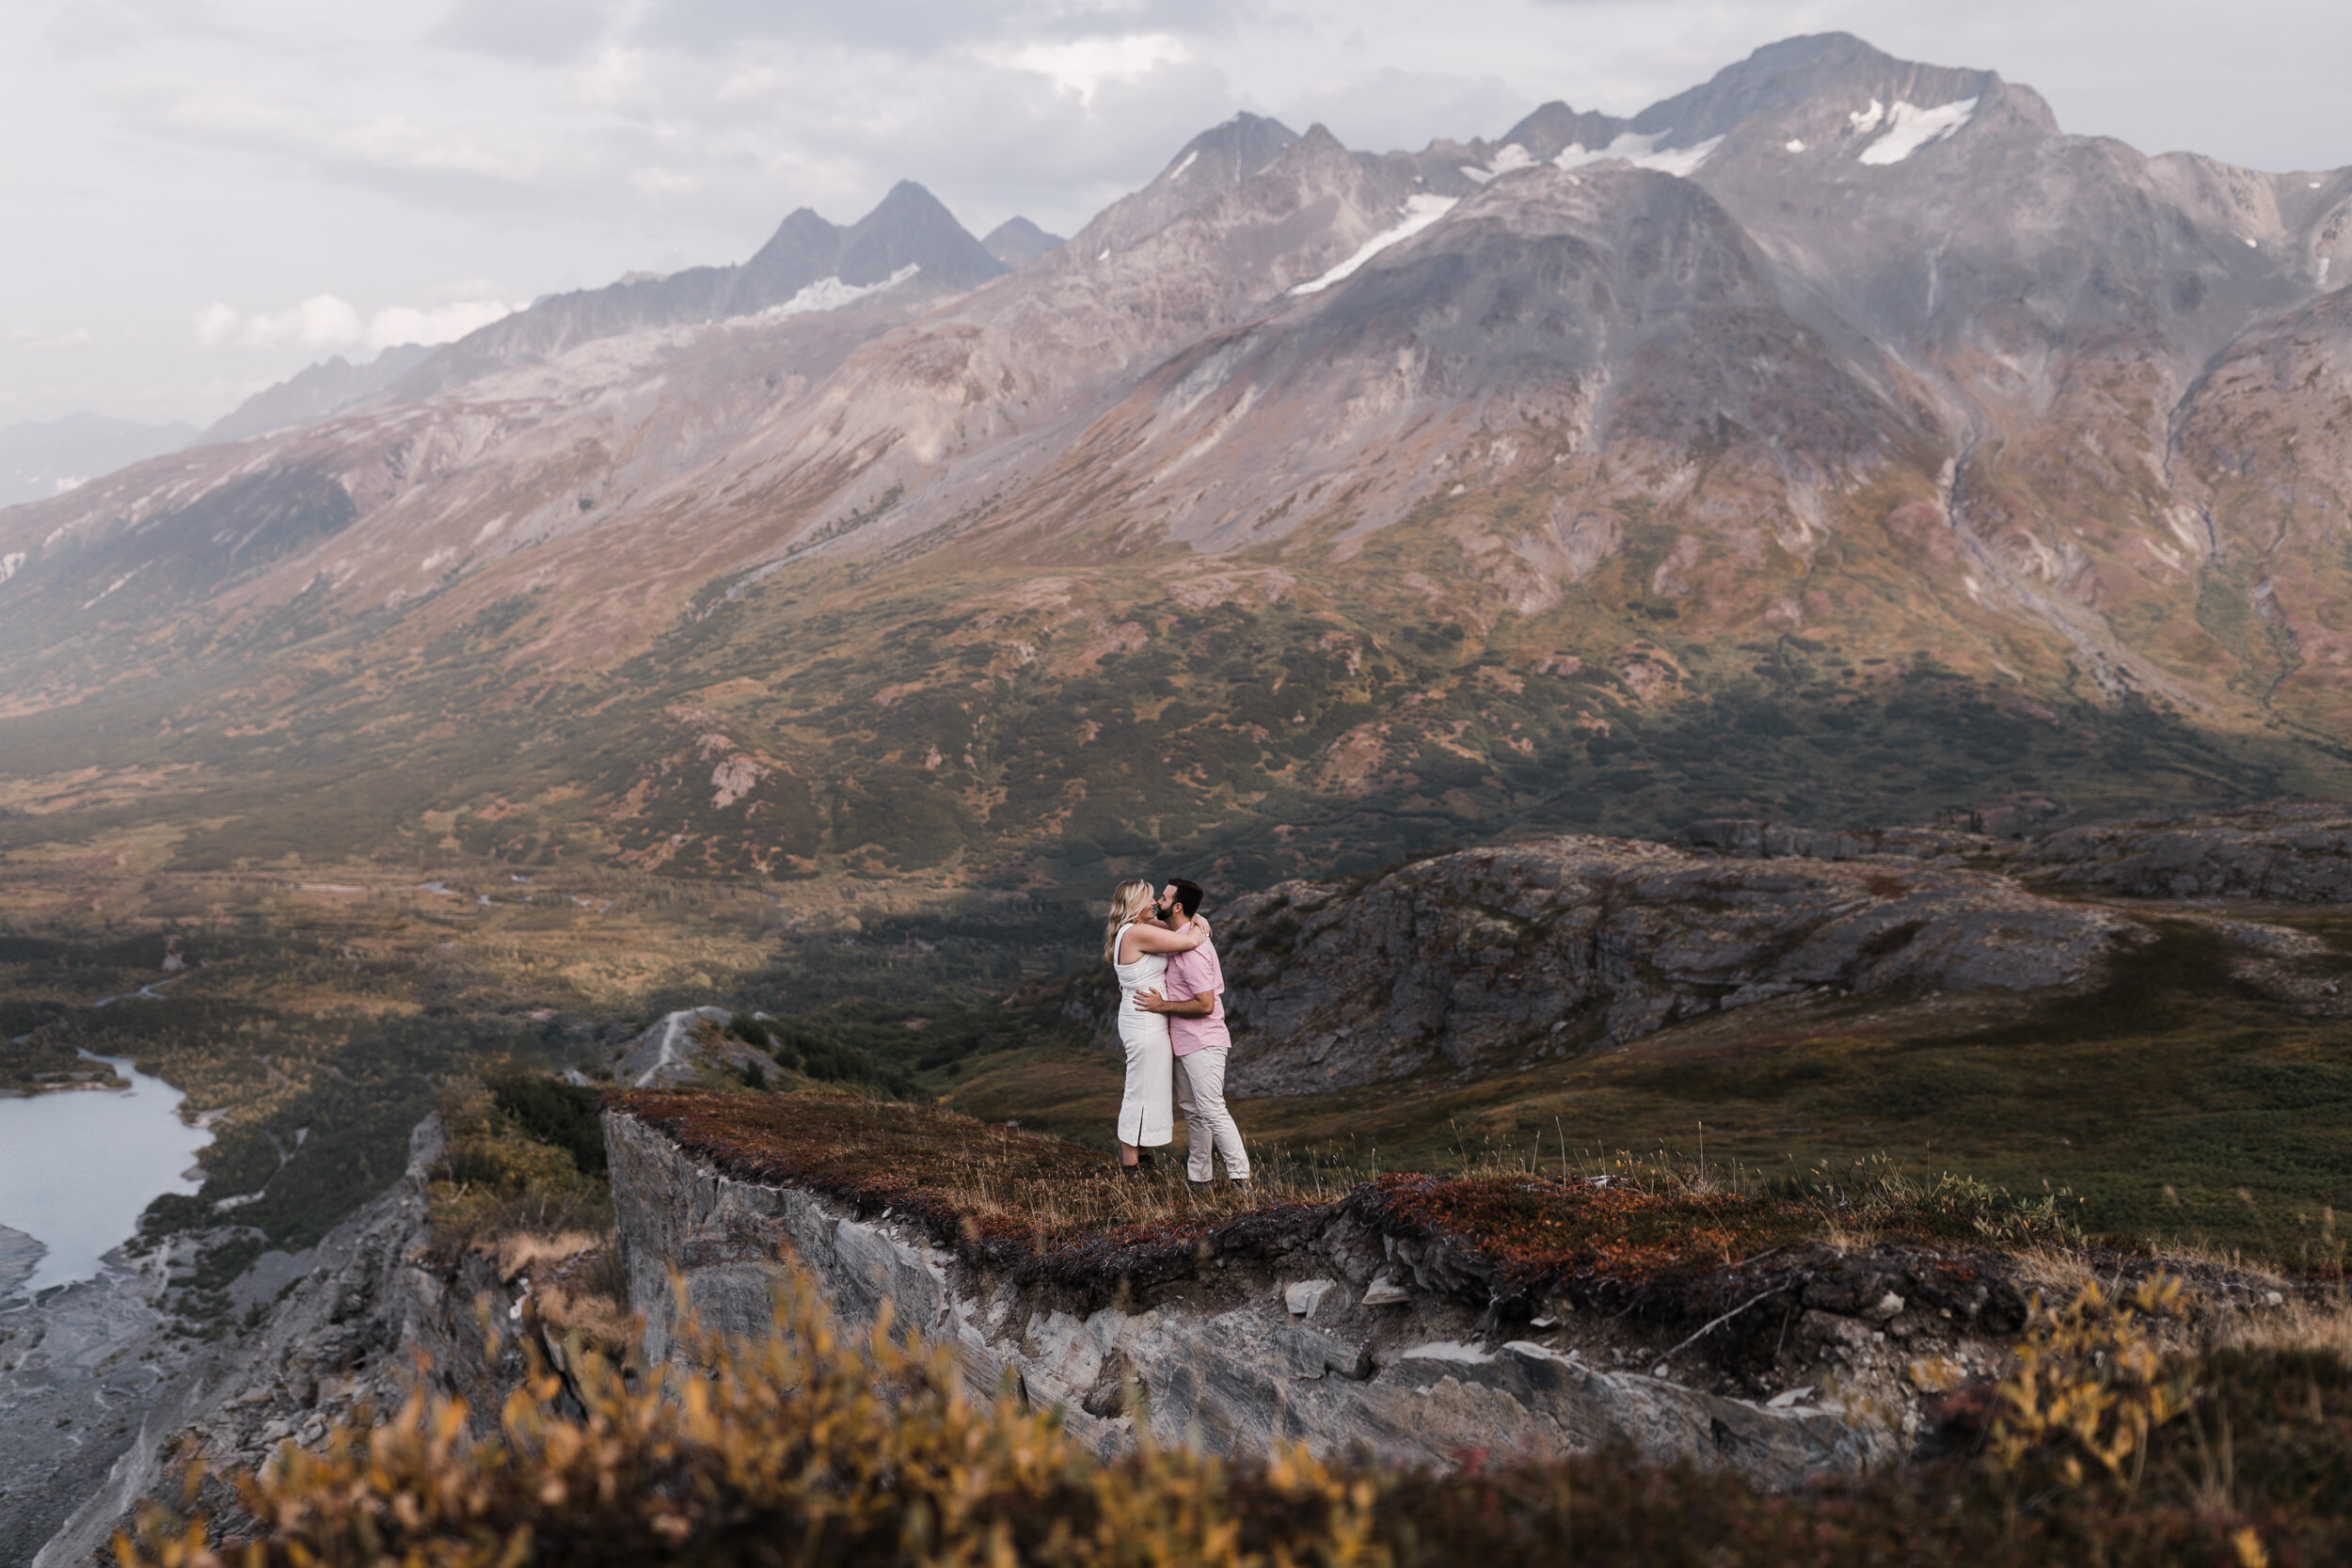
77, 1168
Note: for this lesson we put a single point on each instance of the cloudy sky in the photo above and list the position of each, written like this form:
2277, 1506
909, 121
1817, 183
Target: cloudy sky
203, 195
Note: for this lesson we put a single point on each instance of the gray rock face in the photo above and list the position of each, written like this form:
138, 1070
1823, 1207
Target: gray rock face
1226, 1362
2291, 853
1212, 166
1746, 838
1493, 956
347, 1333
78, 1369
20, 1254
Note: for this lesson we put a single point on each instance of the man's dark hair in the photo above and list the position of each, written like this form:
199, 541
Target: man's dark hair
1187, 895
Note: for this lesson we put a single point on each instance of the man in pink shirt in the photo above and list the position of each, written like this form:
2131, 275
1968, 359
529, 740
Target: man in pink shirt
1195, 1006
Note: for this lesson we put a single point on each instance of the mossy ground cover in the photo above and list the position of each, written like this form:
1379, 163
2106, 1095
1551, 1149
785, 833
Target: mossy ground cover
1041, 1207
1005, 1197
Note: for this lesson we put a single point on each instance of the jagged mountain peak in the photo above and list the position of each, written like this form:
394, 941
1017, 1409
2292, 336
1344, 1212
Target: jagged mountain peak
1795, 75
1209, 165
1243, 145
1827, 91
317, 392
911, 227
1554, 127
1017, 240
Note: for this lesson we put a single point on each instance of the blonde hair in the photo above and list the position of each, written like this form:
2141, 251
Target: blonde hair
1129, 899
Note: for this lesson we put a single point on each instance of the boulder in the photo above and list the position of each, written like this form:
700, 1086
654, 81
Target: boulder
2284, 853
1490, 958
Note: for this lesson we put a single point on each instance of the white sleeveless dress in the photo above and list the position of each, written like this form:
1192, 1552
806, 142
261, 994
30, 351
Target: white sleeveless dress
1147, 1112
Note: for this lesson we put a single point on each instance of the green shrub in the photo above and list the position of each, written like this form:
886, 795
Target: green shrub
555, 1113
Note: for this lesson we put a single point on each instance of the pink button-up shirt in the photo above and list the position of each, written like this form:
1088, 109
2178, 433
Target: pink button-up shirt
1190, 974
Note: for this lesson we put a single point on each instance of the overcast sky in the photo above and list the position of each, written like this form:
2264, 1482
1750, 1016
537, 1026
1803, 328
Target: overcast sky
203, 195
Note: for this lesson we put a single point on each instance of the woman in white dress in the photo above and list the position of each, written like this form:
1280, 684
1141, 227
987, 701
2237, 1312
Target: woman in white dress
1138, 946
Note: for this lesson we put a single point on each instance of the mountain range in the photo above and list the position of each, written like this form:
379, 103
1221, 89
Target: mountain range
1840, 440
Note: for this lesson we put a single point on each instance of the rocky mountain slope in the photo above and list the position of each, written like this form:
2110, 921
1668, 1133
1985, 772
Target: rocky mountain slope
1839, 436
319, 392
909, 240
1017, 239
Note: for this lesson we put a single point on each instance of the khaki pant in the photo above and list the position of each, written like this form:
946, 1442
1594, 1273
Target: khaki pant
1200, 1096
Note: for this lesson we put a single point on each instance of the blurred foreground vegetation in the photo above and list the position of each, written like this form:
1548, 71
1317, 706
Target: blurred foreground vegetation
2103, 1444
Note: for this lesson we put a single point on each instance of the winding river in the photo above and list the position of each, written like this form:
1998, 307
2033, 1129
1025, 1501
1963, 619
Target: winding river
77, 1167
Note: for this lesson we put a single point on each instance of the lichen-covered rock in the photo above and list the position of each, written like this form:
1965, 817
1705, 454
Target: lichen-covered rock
2299, 853
1493, 956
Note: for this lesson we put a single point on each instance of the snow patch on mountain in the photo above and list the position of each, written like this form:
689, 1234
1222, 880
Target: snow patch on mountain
1867, 119
1910, 128
831, 293
1642, 152
1420, 213
1512, 156
1177, 173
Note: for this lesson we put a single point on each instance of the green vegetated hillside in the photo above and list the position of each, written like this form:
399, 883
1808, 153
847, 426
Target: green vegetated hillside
994, 715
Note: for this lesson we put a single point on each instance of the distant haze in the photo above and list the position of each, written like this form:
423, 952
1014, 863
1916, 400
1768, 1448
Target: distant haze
205, 196
48, 458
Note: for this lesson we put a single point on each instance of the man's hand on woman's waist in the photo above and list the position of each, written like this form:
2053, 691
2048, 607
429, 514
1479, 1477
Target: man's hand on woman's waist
1193, 1006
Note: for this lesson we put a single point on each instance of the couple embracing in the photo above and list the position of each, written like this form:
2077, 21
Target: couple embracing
1171, 1019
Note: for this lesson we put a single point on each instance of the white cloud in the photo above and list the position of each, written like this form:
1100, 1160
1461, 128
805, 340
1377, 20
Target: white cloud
1083, 64
437, 324
327, 324
459, 158
320, 322
80, 336
215, 324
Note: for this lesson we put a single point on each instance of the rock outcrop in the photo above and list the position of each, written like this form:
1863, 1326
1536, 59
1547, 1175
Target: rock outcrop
2285, 852
346, 1334
1314, 1328
680, 1047
1489, 957
79, 1367
1746, 838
